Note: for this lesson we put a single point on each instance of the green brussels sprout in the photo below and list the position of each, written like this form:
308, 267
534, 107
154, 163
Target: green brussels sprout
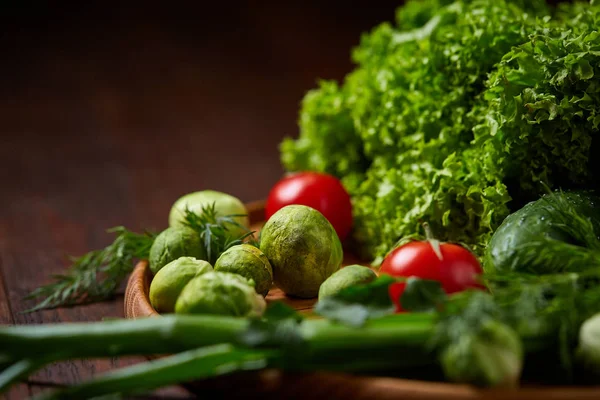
303, 249
221, 293
348, 276
491, 356
249, 262
588, 349
168, 283
173, 243
225, 204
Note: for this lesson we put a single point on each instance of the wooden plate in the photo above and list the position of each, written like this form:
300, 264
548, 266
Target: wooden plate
326, 385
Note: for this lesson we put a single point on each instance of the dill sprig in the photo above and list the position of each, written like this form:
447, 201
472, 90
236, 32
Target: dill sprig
572, 222
96, 275
216, 230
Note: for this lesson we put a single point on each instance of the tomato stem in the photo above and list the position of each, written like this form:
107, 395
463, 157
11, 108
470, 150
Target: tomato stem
435, 244
428, 232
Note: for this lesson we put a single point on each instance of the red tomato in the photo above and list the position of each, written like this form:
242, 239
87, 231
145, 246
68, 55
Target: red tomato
395, 290
322, 192
456, 270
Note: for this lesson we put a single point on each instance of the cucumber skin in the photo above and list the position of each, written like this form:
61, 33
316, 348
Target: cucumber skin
536, 219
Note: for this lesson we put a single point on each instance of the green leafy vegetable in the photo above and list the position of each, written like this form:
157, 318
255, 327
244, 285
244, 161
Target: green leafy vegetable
422, 295
356, 304
453, 116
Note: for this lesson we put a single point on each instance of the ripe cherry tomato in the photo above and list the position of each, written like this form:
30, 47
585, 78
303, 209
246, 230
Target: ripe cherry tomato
395, 290
322, 192
457, 269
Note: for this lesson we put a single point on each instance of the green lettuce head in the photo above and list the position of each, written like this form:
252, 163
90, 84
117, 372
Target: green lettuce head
453, 116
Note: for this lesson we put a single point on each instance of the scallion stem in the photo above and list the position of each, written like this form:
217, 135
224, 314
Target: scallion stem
194, 364
19, 370
157, 335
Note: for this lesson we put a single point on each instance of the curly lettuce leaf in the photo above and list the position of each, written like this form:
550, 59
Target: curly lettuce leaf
542, 108
454, 115
328, 143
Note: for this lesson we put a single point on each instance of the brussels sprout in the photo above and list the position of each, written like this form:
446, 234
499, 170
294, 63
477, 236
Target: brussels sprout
588, 350
491, 356
225, 204
173, 243
249, 262
220, 293
168, 283
346, 277
303, 249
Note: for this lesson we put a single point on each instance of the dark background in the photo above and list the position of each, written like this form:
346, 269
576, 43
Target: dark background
145, 103
110, 112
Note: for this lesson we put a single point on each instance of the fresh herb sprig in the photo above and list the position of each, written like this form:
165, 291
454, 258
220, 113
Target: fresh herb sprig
96, 275
215, 230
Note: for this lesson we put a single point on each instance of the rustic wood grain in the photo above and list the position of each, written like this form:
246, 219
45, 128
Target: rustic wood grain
39, 228
6, 317
17, 392
337, 386
168, 393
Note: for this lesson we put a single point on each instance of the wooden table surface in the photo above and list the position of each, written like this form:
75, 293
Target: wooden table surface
108, 114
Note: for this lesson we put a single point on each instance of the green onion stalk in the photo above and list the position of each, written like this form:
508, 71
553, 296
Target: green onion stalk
223, 345
319, 339
312, 344
206, 346
473, 337
205, 362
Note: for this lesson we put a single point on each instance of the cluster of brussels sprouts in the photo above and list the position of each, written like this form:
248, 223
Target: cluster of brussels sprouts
185, 282
191, 286
299, 252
